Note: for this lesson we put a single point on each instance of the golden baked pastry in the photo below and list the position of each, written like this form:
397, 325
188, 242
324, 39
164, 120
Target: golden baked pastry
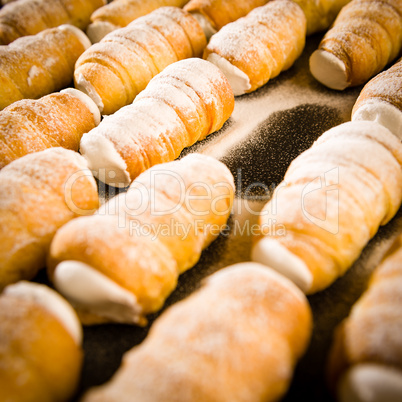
39, 193
56, 120
365, 362
256, 48
122, 263
381, 100
120, 13
113, 71
365, 37
183, 104
332, 200
37, 65
40, 348
28, 17
215, 14
237, 338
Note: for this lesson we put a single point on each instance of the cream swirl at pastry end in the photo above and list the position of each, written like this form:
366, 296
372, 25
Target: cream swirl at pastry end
370, 382
271, 253
95, 293
238, 80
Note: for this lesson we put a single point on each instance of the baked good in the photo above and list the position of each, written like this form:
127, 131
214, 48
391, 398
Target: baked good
56, 120
365, 37
28, 17
120, 13
320, 14
181, 105
381, 100
237, 338
39, 193
122, 263
215, 14
332, 200
120, 66
37, 65
365, 361
40, 348
256, 48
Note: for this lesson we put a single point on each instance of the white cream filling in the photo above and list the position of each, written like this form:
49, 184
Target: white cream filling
85, 86
89, 289
99, 29
271, 253
87, 101
369, 382
52, 302
206, 26
238, 80
104, 161
383, 113
80, 34
329, 70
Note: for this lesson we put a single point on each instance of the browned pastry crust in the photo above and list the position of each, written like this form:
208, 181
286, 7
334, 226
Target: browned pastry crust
120, 13
236, 339
37, 65
28, 17
365, 37
40, 192
222, 12
120, 66
56, 120
183, 104
39, 359
143, 239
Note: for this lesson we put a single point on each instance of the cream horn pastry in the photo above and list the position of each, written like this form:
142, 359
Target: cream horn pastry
320, 14
365, 361
37, 65
365, 37
113, 71
28, 17
39, 193
183, 104
332, 200
237, 338
56, 120
40, 348
381, 100
121, 264
256, 48
215, 14
120, 13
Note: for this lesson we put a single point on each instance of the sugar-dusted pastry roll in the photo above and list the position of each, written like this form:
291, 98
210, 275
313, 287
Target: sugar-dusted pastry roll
214, 14
28, 17
120, 66
238, 338
381, 100
365, 37
256, 48
320, 14
122, 263
365, 361
332, 200
40, 192
187, 101
56, 120
120, 13
37, 65
40, 348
